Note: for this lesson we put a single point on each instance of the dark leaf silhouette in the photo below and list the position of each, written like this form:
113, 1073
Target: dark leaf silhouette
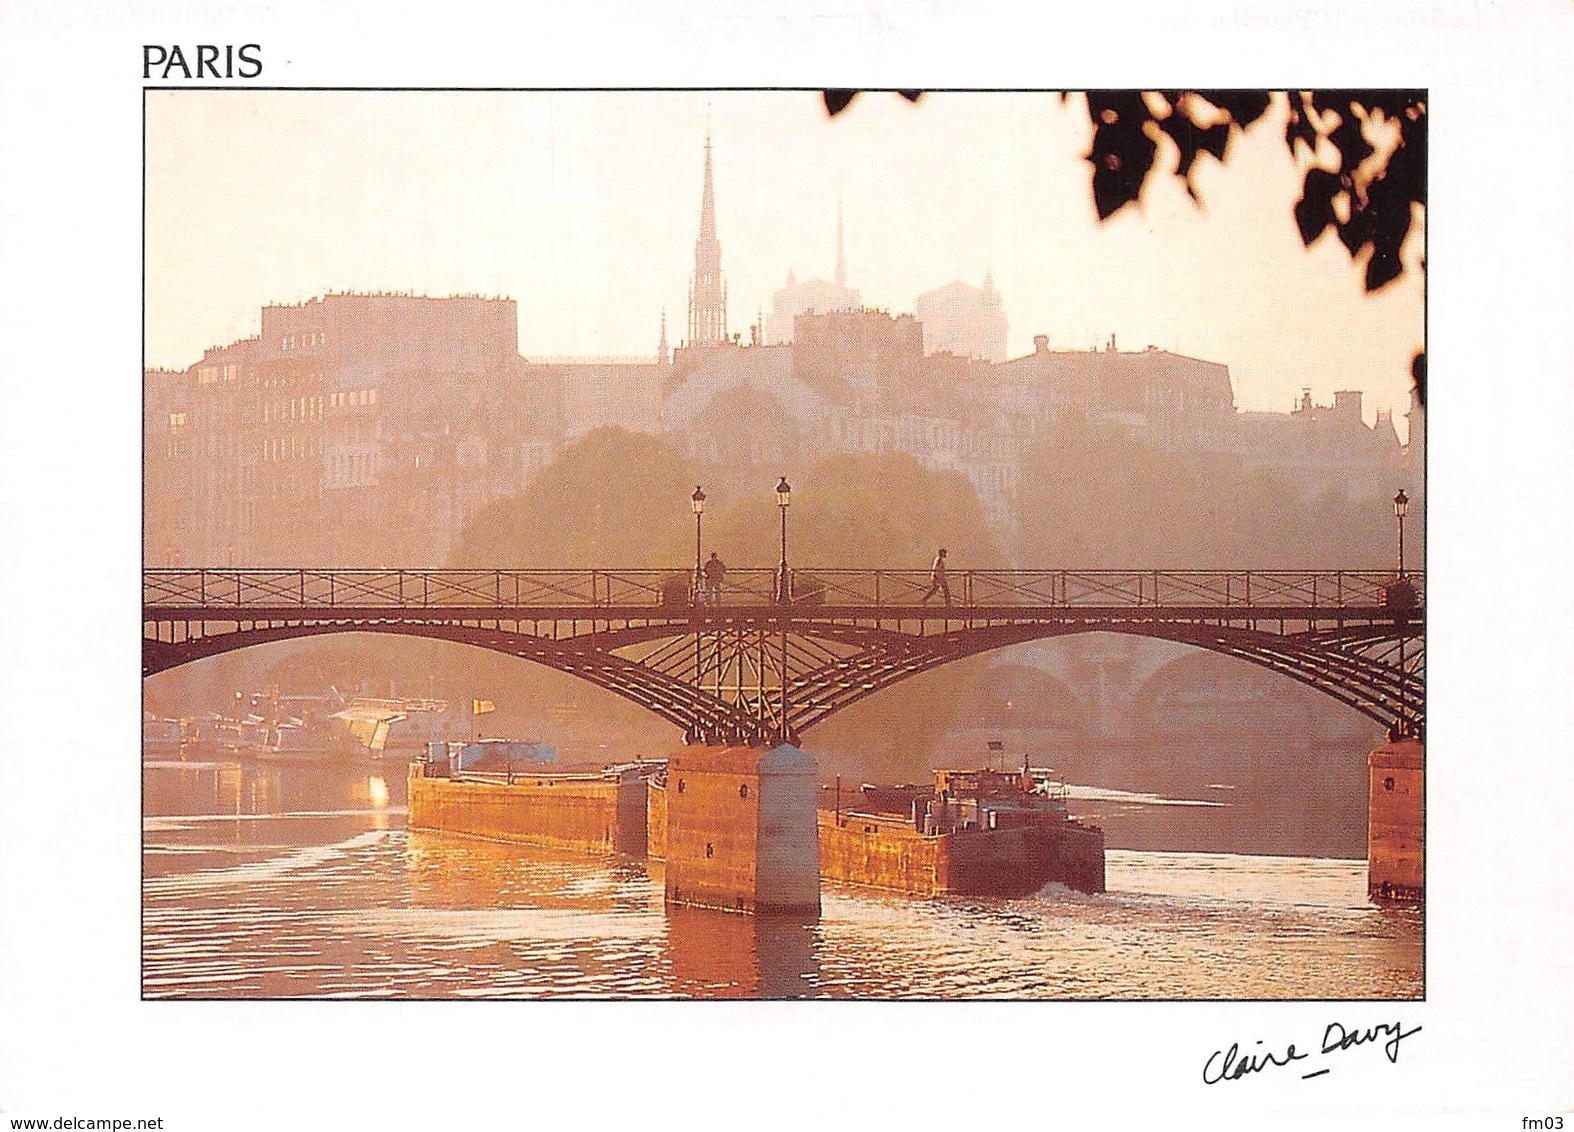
1356, 232
1122, 152
1325, 101
837, 100
1348, 139
1389, 206
1314, 212
1375, 197
1407, 166
1392, 103
1111, 107
1245, 106
1418, 375
1191, 139
1299, 128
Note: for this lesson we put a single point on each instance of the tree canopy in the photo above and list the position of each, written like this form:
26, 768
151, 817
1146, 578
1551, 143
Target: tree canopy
616, 498
1091, 497
1365, 155
862, 509
613, 498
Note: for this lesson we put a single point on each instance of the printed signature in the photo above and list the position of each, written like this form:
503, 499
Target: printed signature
1232, 1064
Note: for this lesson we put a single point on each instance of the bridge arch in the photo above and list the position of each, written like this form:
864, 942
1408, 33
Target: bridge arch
656, 691
726, 680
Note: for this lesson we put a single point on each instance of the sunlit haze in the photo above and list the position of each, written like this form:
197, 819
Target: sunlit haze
585, 206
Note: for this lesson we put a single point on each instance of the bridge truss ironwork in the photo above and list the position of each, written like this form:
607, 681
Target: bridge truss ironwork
749, 667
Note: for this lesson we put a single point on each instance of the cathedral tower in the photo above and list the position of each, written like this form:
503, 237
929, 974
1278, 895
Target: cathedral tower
707, 291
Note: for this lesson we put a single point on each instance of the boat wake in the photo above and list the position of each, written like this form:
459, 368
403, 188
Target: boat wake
1056, 893
274, 868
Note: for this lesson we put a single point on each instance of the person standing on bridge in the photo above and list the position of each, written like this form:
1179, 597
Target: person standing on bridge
937, 580
715, 571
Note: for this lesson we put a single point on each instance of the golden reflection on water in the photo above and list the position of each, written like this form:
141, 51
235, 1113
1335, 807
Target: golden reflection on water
303, 884
727, 955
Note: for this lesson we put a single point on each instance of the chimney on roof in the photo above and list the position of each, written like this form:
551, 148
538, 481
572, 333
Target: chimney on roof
1348, 401
1041, 343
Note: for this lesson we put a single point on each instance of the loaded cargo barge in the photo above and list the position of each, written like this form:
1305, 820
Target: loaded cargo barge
973, 833
533, 803
732, 840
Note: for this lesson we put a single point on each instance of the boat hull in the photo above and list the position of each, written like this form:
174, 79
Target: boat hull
889, 853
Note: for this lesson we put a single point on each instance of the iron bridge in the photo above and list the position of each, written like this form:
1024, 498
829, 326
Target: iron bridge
765, 662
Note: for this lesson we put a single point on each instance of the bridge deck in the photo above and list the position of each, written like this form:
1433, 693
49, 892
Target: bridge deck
559, 593
745, 665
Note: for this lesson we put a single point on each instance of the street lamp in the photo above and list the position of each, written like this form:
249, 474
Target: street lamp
1401, 505
698, 501
783, 500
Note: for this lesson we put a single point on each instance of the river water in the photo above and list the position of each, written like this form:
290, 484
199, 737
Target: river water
296, 881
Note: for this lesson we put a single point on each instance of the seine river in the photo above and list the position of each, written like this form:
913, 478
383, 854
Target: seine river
284, 882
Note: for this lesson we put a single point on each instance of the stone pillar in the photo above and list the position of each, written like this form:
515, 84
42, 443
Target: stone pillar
1395, 831
740, 829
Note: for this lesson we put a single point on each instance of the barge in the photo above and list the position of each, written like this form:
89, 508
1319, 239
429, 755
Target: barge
973, 833
533, 803
738, 827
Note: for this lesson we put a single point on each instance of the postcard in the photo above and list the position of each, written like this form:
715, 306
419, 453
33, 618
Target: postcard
909, 576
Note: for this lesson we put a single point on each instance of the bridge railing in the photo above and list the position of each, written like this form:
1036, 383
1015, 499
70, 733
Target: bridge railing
242, 589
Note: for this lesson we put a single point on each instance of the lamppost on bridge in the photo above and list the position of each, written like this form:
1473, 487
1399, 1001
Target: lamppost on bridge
783, 500
1401, 505
698, 502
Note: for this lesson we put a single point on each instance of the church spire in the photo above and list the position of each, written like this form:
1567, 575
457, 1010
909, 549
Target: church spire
707, 293
708, 201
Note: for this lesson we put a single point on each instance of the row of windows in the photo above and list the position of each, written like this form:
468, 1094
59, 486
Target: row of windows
273, 379
350, 397
278, 448
348, 469
295, 409
200, 445
302, 341
213, 375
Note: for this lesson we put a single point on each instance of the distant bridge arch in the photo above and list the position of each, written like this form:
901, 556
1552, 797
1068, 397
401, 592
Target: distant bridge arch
755, 668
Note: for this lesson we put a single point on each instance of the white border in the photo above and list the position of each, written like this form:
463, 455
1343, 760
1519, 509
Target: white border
76, 1040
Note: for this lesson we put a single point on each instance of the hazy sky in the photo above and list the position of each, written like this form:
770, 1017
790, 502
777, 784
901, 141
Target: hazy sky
584, 207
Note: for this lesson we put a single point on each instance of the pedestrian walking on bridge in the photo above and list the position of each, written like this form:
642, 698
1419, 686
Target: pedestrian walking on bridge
715, 571
938, 584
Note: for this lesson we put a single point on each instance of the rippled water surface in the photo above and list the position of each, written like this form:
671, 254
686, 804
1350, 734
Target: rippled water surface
286, 882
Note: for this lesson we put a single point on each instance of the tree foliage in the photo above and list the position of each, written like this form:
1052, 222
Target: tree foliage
1090, 497
1366, 154
617, 498
604, 502
861, 509
1366, 194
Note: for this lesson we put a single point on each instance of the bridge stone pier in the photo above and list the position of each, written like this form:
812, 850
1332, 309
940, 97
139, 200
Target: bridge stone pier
738, 830
1396, 822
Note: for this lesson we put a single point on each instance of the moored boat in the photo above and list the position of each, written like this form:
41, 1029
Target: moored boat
162, 736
